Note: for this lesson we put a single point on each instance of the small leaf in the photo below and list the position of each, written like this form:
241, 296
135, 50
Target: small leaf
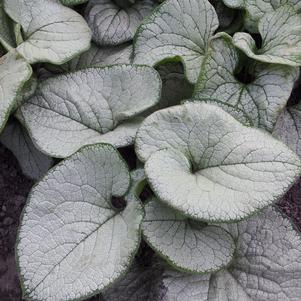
14, 73
96, 57
256, 9
52, 32
203, 162
90, 106
113, 25
177, 30
281, 38
72, 242
33, 163
6, 36
260, 98
288, 128
188, 245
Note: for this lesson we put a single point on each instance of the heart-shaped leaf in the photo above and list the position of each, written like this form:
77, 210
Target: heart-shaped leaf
281, 38
255, 9
260, 95
14, 73
73, 240
96, 57
177, 30
52, 32
203, 162
33, 163
288, 128
112, 24
188, 245
267, 267
90, 106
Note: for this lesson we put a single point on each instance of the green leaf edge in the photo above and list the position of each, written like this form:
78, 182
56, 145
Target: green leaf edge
172, 59
20, 118
132, 255
173, 264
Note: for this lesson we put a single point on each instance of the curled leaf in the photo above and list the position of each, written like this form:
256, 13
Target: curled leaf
203, 162
177, 30
281, 38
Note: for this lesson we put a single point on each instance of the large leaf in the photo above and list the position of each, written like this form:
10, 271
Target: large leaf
52, 32
188, 245
203, 162
255, 9
72, 241
177, 30
281, 38
14, 73
96, 57
90, 106
113, 25
34, 164
260, 100
288, 128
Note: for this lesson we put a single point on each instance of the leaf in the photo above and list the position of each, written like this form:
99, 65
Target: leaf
96, 57
204, 163
52, 32
72, 241
89, 106
190, 246
260, 99
113, 25
255, 9
33, 163
288, 128
14, 73
281, 38
177, 30
6, 37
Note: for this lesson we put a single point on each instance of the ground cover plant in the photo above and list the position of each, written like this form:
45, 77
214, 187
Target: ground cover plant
160, 136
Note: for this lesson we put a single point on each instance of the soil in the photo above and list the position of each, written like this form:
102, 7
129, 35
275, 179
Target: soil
14, 188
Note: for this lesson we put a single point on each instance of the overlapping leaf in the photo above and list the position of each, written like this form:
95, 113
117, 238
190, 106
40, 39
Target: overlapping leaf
5, 28
255, 9
14, 73
281, 38
97, 57
52, 32
177, 30
112, 24
260, 100
90, 106
188, 245
203, 162
73, 242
